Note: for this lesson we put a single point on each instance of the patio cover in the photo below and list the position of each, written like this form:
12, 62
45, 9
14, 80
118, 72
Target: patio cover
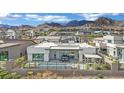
92, 56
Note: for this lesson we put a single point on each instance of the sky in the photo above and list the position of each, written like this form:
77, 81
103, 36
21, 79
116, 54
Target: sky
40, 18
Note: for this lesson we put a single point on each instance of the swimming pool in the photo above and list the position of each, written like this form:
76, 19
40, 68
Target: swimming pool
55, 65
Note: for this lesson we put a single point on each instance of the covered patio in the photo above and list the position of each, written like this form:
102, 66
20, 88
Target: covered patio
92, 58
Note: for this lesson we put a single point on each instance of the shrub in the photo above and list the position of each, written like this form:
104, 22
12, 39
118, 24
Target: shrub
20, 61
47, 74
15, 75
30, 73
39, 75
106, 66
100, 76
3, 73
12, 75
8, 76
97, 66
87, 66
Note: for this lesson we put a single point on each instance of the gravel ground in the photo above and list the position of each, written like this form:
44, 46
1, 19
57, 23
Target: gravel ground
82, 77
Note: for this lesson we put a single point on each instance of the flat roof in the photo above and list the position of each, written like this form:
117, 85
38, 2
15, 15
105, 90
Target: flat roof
52, 45
8, 45
99, 38
45, 45
60, 47
115, 45
48, 37
121, 46
92, 56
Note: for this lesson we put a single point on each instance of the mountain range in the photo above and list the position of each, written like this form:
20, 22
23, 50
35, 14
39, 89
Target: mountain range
98, 22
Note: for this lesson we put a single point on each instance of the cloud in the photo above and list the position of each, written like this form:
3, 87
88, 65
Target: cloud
91, 16
94, 16
8, 16
47, 18
15, 15
34, 16
3, 14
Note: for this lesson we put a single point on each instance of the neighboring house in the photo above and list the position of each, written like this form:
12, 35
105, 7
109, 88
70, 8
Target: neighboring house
98, 32
85, 32
2, 34
9, 51
115, 45
100, 44
66, 37
12, 34
106, 32
43, 28
30, 33
12, 49
23, 45
69, 52
40, 39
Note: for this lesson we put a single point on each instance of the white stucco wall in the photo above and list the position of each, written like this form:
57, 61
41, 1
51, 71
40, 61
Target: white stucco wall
114, 39
31, 51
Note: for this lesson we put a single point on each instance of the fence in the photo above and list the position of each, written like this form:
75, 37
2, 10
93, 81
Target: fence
69, 72
67, 66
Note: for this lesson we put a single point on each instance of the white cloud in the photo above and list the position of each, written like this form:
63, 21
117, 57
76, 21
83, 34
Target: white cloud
3, 14
91, 16
7, 16
49, 18
94, 16
16, 15
32, 16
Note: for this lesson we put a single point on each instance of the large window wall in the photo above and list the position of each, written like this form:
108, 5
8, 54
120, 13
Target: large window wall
38, 57
64, 54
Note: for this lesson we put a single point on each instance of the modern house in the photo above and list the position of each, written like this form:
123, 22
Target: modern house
30, 33
66, 37
12, 34
7, 51
2, 34
69, 52
43, 28
12, 49
100, 44
40, 39
114, 45
23, 45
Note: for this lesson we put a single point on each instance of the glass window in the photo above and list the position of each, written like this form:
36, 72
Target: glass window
3, 55
37, 57
114, 53
109, 41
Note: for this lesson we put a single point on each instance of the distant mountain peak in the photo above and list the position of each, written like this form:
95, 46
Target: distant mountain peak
78, 23
104, 21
